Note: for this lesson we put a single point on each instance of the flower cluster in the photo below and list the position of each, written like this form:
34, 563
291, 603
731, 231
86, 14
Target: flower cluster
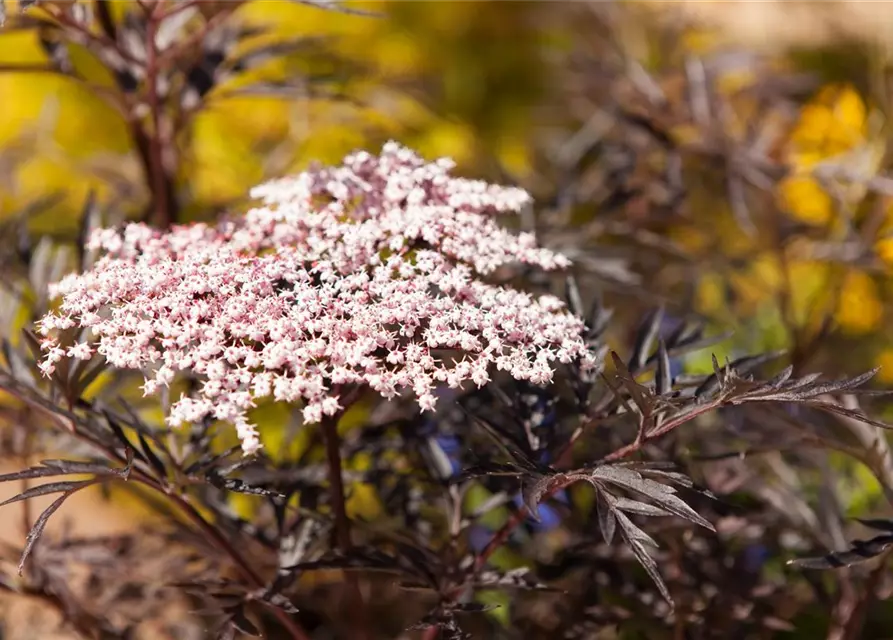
364, 274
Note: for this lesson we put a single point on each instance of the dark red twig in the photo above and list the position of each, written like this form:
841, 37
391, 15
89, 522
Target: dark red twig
354, 596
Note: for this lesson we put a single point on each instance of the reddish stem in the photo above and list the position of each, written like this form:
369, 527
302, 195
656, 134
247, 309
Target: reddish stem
431, 633
354, 597
329, 427
161, 194
515, 520
244, 567
68, 424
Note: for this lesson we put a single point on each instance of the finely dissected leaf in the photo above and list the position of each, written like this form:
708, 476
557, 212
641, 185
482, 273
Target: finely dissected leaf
739, 367
51, 468
33, 343
532, 491
663, 381
781, 377
599, 317
635, 537
830, 407
116, 428
240, 621
385, 564
617, 393
640, 394
639, 508
240, 486
661, 494
645, 337
685, 340
807, 389
44, 489
533, 488
280, 602
877, 523
367, 559
633, 532
18, 366
294, 547
87, 221
573, 297
606, 520
489, 469
844, 384
39, 525
674, 478
151, 456
519, 578
685, 333
421, 560
209, 461
509, 445
860, 551
806, 380
82, 378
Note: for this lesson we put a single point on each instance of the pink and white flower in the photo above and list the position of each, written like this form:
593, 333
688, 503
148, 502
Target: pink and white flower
369, 273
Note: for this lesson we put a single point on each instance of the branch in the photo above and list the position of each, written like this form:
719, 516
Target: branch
329, 428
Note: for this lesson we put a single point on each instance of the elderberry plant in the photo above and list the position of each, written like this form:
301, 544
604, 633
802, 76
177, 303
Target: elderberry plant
358, 287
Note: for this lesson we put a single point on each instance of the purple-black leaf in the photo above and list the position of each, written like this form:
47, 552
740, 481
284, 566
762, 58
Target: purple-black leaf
239, 486
636, 539
516, 578
860, 551
44, 489
40, 524
877, 523
661, 494
645, 337
51, 468
607, 522
663, 381
151, 456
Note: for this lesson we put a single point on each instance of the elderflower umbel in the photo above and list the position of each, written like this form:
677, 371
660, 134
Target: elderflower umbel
363, 274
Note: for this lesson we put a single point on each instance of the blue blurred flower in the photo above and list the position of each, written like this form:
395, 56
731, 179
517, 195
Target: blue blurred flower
479, 537
550, 517
755, 556
451, 446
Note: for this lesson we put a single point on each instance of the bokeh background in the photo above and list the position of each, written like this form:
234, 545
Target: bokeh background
726, 159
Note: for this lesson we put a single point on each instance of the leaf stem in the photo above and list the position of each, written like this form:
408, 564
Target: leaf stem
354, 597
162, 197
244, 567
329, 428
68, 422
515, 520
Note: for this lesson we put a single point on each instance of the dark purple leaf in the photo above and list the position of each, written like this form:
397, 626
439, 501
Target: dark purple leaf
663, 381
44, 489
645, 338
876, 523
860, 551
636, 539
606, 520
40, 524
151, 456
